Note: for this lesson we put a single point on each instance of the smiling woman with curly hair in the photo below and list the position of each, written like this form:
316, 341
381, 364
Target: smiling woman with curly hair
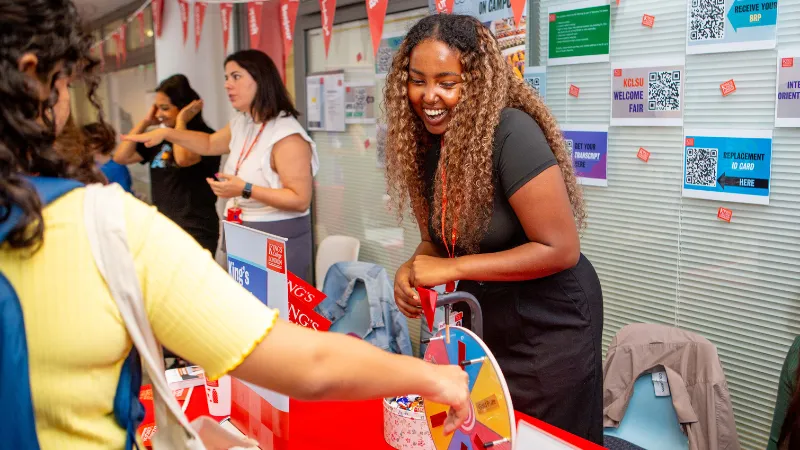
482, 163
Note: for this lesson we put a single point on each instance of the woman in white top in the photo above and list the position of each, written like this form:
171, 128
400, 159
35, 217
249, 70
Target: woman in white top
272, 159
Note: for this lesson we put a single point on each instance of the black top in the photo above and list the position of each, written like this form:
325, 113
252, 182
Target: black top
521, 152
182, 193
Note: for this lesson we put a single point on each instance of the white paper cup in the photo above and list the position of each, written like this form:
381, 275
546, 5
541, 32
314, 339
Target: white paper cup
218, 396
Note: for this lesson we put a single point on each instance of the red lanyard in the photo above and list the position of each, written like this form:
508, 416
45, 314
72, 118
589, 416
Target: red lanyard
451, 250
243, 155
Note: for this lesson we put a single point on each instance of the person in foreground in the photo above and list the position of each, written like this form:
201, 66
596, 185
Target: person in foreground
76, 340
271, 162
483, 164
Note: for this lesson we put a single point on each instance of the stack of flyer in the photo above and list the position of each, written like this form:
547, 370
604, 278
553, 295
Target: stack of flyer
185, 377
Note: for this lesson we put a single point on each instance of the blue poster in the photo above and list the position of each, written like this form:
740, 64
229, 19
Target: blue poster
732, 166
250, 275
730, 25
588, 147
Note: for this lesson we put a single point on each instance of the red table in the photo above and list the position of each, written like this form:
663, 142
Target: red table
332, 435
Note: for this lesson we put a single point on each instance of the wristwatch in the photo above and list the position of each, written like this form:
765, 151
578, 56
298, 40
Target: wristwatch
247, 191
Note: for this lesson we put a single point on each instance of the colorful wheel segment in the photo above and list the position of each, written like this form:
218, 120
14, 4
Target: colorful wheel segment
491, 418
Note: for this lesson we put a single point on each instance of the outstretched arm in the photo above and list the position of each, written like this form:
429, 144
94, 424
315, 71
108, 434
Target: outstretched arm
205, 316
332, 366
203, 144
126, 150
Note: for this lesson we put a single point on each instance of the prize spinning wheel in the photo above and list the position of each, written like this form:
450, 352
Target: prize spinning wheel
491, 421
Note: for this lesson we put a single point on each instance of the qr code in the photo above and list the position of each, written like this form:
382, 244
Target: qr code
701, 166
535, 83
384, 59
707, 20
664, 91
360, 99
570, 144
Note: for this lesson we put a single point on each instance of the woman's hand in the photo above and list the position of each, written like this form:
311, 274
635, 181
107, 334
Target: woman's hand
149, 139
405, 295
190, 111
430, 271
150, 120
452, 390
229, 186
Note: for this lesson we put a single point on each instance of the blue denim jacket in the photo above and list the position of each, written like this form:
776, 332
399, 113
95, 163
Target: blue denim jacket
360, 300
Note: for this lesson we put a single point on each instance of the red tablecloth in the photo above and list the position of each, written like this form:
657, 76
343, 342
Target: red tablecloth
368, 422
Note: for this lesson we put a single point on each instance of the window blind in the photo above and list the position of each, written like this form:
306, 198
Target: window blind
666, 259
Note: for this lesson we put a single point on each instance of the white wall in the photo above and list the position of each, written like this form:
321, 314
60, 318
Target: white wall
204, 66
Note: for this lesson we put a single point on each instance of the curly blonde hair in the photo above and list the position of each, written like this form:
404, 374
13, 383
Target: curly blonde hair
489, 86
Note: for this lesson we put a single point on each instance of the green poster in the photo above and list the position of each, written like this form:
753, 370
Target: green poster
579, 34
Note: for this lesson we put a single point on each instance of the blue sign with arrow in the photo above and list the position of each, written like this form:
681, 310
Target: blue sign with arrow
752, 13
731, 25
727, 165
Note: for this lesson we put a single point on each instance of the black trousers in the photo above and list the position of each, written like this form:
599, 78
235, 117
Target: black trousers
546, 335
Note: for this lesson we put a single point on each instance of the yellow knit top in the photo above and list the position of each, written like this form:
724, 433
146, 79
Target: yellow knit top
77, 341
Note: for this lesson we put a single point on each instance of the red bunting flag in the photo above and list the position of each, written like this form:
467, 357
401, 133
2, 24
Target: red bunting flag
518, 7
444, 6
254, 22
123, 42
288, 20
183, 5
140, 19
376, 12
102, 55
157, 8
117, 52
327, 10
226, 10
199, 18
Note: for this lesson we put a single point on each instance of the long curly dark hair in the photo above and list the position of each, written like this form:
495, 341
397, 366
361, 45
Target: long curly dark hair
51, 30
489, 86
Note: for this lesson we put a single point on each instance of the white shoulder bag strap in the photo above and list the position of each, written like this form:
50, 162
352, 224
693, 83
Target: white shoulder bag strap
105, 223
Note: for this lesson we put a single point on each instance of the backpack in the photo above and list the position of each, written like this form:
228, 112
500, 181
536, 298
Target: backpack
104, 216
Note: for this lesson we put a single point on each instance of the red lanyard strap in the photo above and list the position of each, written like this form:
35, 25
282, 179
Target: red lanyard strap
243, 155
451, 250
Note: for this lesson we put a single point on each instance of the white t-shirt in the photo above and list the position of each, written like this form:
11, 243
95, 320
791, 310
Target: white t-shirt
256, 168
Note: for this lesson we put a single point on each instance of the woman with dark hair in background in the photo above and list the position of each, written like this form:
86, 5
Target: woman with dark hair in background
272, 159
69, 337
100, 139
177, 176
